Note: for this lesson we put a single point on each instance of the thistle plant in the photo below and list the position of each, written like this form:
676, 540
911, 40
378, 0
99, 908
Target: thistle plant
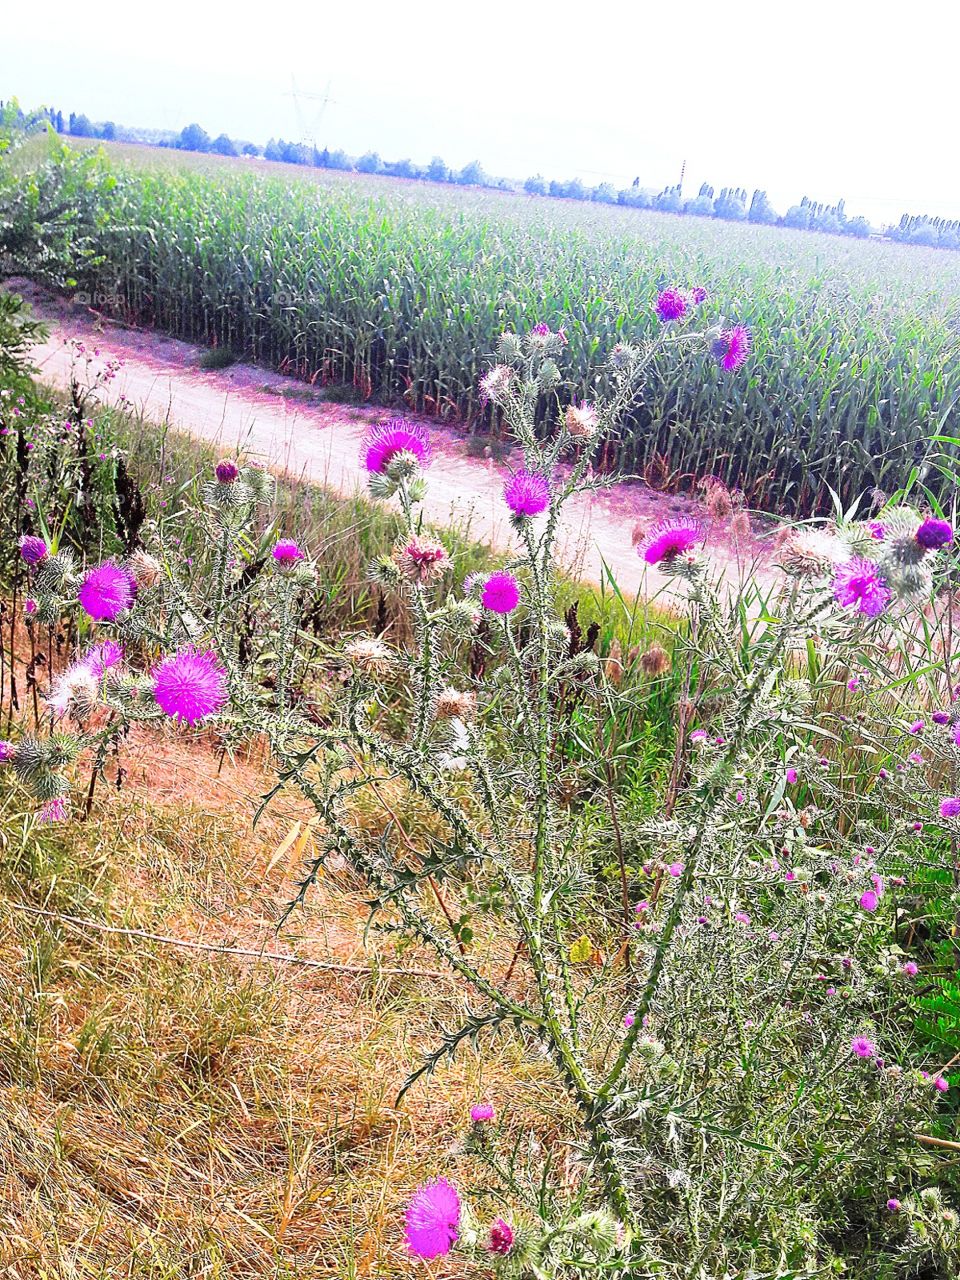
713, 978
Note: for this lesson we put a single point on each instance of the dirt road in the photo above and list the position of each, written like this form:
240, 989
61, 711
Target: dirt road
277, 421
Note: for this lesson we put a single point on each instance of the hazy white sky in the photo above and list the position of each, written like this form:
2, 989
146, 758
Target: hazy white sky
838, 98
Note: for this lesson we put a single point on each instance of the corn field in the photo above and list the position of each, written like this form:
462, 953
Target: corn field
396, 287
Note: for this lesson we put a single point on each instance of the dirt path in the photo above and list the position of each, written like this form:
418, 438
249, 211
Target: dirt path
281, 422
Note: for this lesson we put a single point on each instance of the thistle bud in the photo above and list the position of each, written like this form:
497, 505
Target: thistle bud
369, 655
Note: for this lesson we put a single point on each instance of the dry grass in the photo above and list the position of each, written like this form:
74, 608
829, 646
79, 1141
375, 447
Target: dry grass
168, 1113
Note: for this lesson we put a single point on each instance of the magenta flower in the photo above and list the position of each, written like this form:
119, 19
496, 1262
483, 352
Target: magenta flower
893, 1204
500, 1239
29, 607
628, 1020
107, 591
526, 493
501, 593
32, 549
934, 534
878, 530
6, 751
190, 684
918, 726
791, 776
55, 810
482, 1112
950, 807
540, 330
287, 552
671, 305
698, 295
732, 347
862, 1047
675, 869
910, 969
869, 900
668, 539
940, 1084
433, 1219
941, 717
227, 471
102, 657
858, 583
382, 444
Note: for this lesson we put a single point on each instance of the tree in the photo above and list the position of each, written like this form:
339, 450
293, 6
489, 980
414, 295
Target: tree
370, 162
224, 145
107, 131
339, 160
798, 217
472, 175
193, 138
858, 227
731, 204
437, 171
604, 193
81, 127
273, 150
761, 210
250, 149
701, 206
535, 186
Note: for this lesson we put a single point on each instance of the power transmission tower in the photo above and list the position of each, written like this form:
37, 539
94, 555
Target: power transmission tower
308, 118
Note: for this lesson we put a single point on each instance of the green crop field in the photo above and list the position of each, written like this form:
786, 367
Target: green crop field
402, 287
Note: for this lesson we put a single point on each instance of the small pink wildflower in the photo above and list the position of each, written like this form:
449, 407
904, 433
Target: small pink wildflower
500, 1239
893, 1205
853, 684
287, 552
859, 584
481, 1112
628, 1020
869, 900
918, 726
940, 1084
862, 1047
950, 807
527, 493
910, 969
791, 776
55, 810
675, 869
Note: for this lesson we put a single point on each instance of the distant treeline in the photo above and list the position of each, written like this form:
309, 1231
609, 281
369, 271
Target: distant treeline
732, 204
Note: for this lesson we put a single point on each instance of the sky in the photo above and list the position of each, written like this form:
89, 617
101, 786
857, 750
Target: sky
840, 99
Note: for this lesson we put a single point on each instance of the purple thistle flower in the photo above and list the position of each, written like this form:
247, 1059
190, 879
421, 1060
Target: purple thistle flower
33, 549
501, 592
732, 347
628, 1020
893, 1205
698, 295
669, 539
671, 305
934, 534
869, 900
433, 1219
862, 1047
500, 1239
227, 471
540, 330
29, 607
287, 552
482, 1112
918, 726
940, 1084
6, 751
527, 493
859, 583
910, 969
55, 810
190, 684
791, 776
675, 869
106, 591
382, 444
941, 717
950, 807
102, 657
878, 530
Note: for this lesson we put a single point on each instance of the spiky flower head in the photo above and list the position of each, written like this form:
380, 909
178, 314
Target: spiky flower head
495, 383
581, 421
671, 305
731, 347
57, 809
669, 539
950, 807
481, 1112
146, 569
102, 657
420, 559
934, 534
33, 549
863, 1047
811, 552
433, 1219
527, 493
107, 591
459, 704
286, 553
74, 692
190, 684
600, 1232
858, 584
369, 655
6, 751
655, 661
227, 471
698, 295
396, 442
501, 592
499, 1238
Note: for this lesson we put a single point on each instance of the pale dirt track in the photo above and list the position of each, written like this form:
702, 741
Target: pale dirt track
245, 406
